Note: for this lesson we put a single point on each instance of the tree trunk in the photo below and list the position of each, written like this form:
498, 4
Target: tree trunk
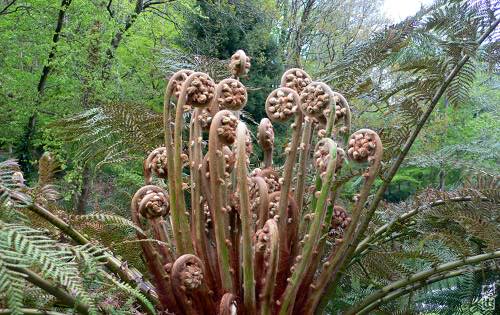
26, 147
85, 189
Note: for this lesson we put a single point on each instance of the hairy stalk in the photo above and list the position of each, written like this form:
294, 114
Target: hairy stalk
246, 220
194, 81
314, 232
357, 152
288, 171
421, 276
177, 215
53, 289
196, 155
266, 264
305, 146
222, 126
402, 155
262, 208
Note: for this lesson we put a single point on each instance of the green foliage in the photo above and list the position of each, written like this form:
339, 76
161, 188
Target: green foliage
100, 113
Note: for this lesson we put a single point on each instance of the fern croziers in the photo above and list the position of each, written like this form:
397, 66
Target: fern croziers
245, 241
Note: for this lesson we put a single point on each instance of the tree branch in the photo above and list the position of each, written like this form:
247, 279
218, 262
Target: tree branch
4, 10
370, 301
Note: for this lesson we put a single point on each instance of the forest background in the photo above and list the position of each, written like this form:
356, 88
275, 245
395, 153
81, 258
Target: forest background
84, 80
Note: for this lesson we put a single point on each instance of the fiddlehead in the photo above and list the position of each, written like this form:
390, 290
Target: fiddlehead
270, 176
222, 131
156, 163
315, 99
342, 112
266, 264
295, 79
151, 202
240, 64
266, 141
282, 104
231, 94
191, 291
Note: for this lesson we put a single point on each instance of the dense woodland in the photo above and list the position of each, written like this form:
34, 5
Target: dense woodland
82, 86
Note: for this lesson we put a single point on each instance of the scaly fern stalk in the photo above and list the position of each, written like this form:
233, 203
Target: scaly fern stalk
266, 264
282, 104
222, 131
247, 231
305, 146
197, 91
174, 87
196, 166
314, 231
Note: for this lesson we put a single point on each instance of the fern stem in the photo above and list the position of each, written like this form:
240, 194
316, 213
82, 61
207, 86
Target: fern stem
246, 220
365, 243
53, 289
305, 146
216, 167
167, 121
196, 155
314, 232
402, 155
366, 305
128, 275
285, 188
182, 232
266, 268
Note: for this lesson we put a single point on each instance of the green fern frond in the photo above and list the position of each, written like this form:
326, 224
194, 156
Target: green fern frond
112, 133
112, 219
132, 292
39, 251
